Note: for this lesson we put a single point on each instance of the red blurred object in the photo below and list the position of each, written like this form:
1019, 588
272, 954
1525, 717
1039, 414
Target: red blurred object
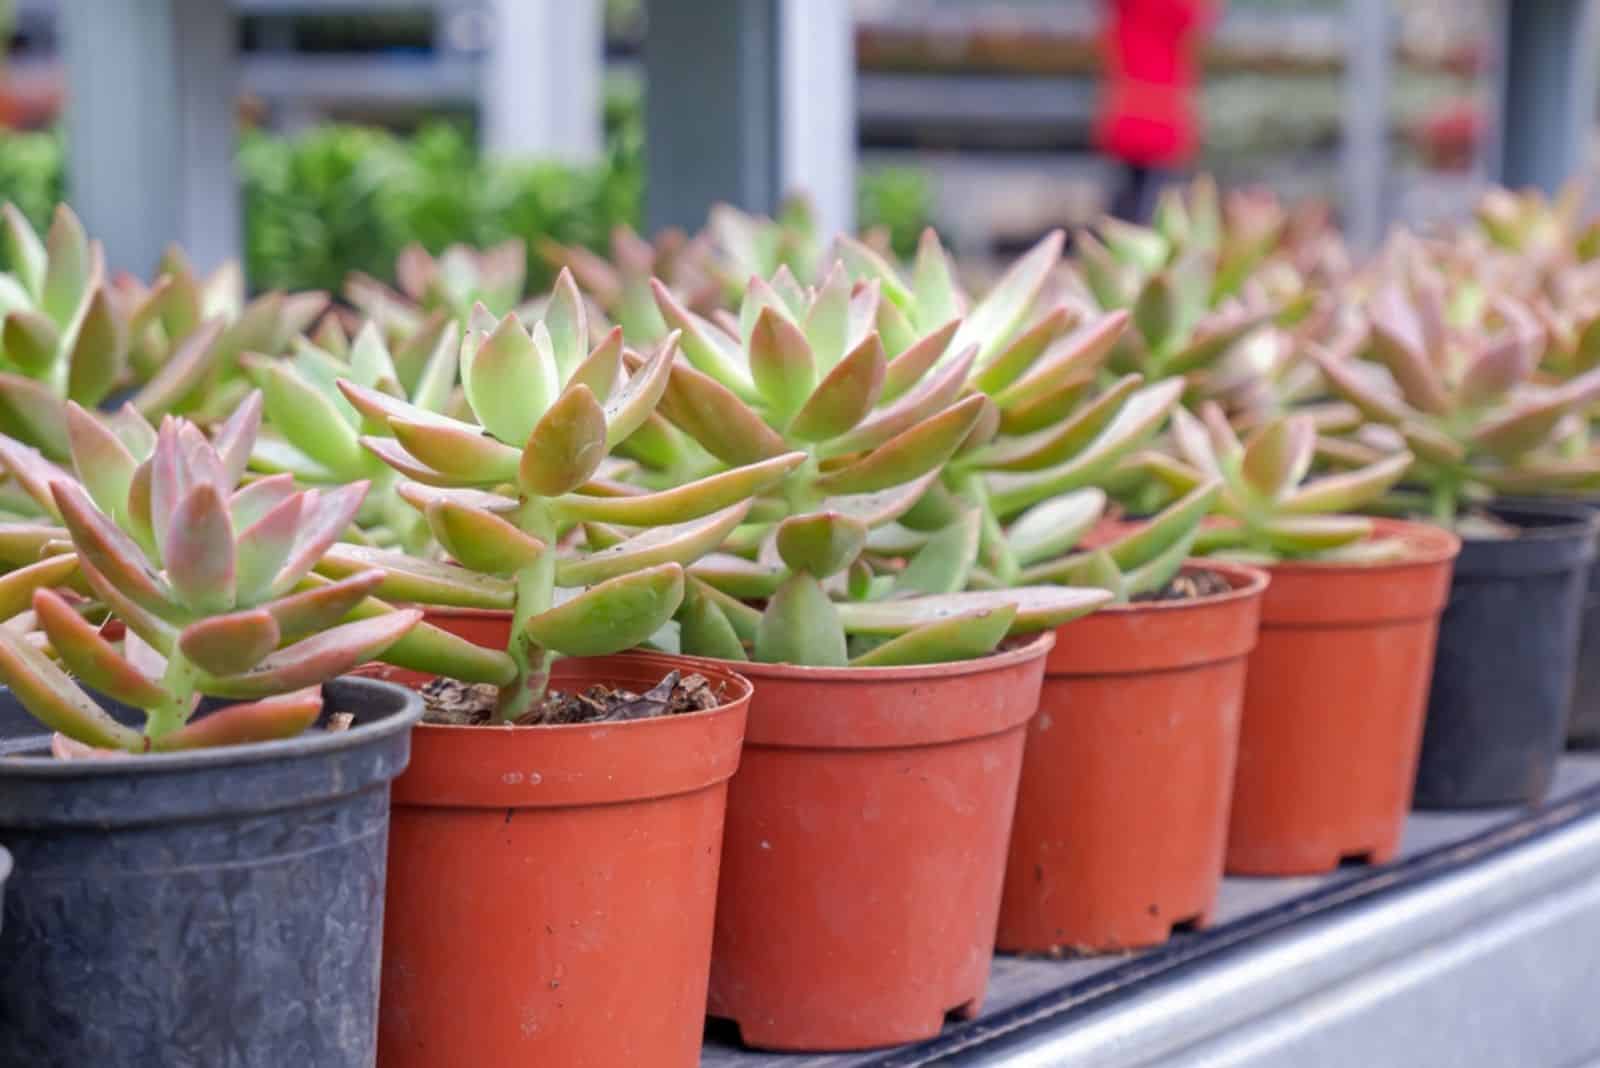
1148, 113
1449, 137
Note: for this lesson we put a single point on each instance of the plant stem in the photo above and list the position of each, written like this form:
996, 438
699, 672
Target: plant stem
179, 681
535, 592
1444, 503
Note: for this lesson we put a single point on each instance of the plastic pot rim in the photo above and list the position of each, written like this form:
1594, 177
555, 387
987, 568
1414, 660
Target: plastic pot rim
313, 742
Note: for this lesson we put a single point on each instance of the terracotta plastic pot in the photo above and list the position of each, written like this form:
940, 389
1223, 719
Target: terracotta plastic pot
552, 888
1123, 810
865, 850
1334, 705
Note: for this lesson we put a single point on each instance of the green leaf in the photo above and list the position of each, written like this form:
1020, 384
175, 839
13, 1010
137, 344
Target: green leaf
781, 362
568, 325
711, 351
962, 637
615, 615
994, 319
1053, 527
821, 543
89, 656
318, 658
827, 324
681, 502
1302, 534
199, 551
908, 455
103, 463
933, 281
715, 417
567, 446
30, 340
944, 564
1038, 608
311, 420
1012, 361
1172, 526
844, 396
481, 541
1347, 491
55, 700
1055, 444
411, 580
24, 251
677, 544
705, 631
230, 644
801, 626
460, 451
510, 378
69, 269
1278, 455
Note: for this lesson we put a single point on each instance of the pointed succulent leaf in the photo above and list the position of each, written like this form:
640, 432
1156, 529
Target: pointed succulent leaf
679, 543
511, 378
32, 473
883, 506
908, 455
683, 502
715, 417
736, 577
628, 408
1432, 445
614, 615
18, 588
994, 319
199, 551
844, 396
460, 451
1054, 444
99, 352
1038, 608
30, 340
1302, 534
1007, 365
1349, 490
268, 720
323, 522
380, 407
821, 543
1373, 401
1398, 341
69, 267
104, 465
712, 352
55, 700
481, 541
253, 501
781, 362
1053, 527
25, 543
86, 653
179, 376
112, 553
912, 359
704, 630
232, 643
1134, 424
944, 563
801, 626
934, 393
1074, 358
392, 453
23, 250
1278, 455
568, 325
959, 637
318, 658
933, 281
419, 496
411, 579
318, 603
1171, 527
600, 369
566, 447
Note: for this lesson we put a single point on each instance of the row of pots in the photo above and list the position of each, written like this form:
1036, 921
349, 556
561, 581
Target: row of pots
830, 854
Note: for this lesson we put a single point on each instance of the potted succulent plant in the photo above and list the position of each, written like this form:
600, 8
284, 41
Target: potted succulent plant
611, 771
885, 692
1337, 683
1122, 814
193, 879
1454, 381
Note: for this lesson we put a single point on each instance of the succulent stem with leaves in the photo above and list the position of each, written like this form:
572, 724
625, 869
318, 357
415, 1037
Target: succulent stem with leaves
519, 499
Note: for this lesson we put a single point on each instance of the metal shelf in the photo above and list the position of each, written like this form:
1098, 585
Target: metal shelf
1475, 947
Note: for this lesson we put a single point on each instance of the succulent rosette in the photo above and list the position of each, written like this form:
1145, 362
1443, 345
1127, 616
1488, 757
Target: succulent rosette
868, 381
1449, 373
211, 580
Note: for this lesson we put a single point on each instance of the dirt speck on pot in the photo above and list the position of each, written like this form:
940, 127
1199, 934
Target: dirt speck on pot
463, 704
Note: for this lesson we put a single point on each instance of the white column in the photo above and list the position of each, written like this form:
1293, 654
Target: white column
1367, 65
542, 84
817, 108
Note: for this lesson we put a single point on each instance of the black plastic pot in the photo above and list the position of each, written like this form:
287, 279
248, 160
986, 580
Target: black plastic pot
1508, 650
216, 908
5, 873
1583, 720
